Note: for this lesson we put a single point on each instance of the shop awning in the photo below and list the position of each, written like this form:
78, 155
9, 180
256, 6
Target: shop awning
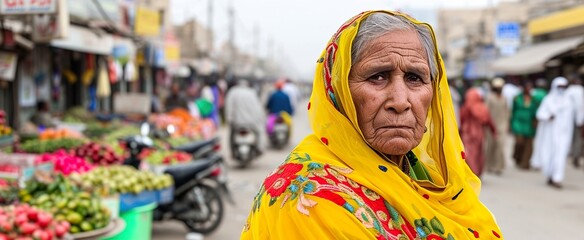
532, 59
569, 18
82, 39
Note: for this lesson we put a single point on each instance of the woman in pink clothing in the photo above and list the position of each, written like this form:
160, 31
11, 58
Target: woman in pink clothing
474, 116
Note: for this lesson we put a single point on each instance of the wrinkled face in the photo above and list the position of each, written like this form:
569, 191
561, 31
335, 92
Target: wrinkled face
392, 90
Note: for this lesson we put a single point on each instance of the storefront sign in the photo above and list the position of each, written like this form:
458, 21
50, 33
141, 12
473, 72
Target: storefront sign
84, 40
8, 63
147, 22
12, 7
48, 27
508, 37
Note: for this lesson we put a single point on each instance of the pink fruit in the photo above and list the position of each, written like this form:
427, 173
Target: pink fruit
28, 228
60, 231
6, 226
44, 219
21, 219
3, 237
32, 215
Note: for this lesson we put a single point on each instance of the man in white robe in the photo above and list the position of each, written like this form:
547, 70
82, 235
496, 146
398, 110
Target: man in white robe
244, 108
556, 115
576, 93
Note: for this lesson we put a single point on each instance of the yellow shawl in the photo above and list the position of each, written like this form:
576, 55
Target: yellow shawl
334, 186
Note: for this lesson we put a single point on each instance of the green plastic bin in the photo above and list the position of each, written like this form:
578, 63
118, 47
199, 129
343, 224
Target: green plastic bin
138, 224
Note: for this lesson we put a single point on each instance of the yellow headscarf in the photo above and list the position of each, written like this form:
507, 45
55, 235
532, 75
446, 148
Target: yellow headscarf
332, 184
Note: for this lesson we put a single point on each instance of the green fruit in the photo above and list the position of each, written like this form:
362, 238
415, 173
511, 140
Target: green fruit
74, 218
61, 204
72, 204
74, 229
85, 203
86, 226
60, 217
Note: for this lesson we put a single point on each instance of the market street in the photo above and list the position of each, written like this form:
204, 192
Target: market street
524, 206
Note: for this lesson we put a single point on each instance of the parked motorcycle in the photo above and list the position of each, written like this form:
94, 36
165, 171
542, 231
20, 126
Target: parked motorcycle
280, 134
198, 149
197, 187
244, 142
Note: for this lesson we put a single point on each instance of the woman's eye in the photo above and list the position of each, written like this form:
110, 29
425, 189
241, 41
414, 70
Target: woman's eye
411, 77
378, 77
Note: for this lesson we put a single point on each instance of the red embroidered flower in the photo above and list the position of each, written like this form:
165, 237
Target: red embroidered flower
409, 230
277, 183
434, 237
278, 187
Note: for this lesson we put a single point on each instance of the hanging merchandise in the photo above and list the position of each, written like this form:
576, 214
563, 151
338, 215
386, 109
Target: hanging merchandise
119, 71
114, 71
70, 76
89, 72
103, 83
130, 72
56, 87
92, 99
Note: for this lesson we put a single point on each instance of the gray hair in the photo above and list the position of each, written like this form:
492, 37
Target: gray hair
378, 24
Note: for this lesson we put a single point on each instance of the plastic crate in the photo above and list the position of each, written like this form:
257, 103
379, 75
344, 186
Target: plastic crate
129, 201
165, 195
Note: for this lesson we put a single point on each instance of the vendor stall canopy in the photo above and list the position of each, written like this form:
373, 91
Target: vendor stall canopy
533, 58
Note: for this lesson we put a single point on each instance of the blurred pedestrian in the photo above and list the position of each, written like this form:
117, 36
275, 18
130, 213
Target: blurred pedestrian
523, 124
175, 99
474, 116
556, 116
539, 92
279, 104
510, 91
576, 93
155, 103
497, 105
456, 99
244, 108
42, 117
212, 93
292, 91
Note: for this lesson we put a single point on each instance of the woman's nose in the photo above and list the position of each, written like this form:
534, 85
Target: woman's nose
397, 96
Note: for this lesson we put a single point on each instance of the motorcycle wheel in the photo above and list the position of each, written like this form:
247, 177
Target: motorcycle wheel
215, 206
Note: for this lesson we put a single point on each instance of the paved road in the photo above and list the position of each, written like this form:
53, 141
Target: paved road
524, 206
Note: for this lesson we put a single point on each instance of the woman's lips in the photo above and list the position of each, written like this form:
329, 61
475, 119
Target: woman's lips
397, 127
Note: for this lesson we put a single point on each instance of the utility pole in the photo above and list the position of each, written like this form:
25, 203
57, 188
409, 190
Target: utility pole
210, 23
270, 48
256, 40
231, 14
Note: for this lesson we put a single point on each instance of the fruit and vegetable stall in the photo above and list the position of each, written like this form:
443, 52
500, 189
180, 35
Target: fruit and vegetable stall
69, 182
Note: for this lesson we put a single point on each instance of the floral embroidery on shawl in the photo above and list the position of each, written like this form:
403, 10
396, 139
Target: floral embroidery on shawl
299, 178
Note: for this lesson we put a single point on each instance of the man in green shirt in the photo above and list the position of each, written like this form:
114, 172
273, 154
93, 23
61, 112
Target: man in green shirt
523, 125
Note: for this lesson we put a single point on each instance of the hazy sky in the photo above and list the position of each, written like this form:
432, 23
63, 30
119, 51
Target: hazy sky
299, 29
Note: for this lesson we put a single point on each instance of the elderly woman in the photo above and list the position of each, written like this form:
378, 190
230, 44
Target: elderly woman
385, 160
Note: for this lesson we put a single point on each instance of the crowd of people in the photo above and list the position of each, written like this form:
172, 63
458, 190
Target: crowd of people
239, 104
546, 126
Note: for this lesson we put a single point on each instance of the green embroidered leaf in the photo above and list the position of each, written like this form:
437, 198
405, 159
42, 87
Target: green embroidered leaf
426, 230
418, 223
437, 225
450, 237
425, 223
302, 159
394, 214
273, 200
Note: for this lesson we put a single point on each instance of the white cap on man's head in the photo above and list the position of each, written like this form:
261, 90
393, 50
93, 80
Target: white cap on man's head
498, 83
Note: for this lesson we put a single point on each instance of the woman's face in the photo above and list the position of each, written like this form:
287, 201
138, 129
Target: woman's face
392, 90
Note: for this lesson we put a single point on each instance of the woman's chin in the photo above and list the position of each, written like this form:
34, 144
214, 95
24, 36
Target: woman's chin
395, 146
